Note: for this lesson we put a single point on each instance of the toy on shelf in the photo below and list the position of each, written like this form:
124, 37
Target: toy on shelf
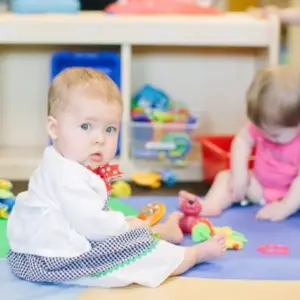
153, 211
161, 7
202, 229
121, 189
7, 198
154, 180
161, 127
151, 104
45, 6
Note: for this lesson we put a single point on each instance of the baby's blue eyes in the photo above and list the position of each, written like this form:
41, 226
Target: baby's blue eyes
111, 129
85, 126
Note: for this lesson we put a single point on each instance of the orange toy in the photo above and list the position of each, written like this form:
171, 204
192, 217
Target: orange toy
153, 211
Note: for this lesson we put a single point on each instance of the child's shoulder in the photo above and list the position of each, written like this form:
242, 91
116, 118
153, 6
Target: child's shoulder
63, 169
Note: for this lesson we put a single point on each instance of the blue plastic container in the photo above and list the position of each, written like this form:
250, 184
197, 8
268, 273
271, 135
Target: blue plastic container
107, 62
44, 6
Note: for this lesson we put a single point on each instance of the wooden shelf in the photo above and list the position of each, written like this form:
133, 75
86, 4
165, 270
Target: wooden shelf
188, 69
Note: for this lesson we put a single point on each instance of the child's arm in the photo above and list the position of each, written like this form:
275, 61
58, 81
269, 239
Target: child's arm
292, 199
82, 207
241, 149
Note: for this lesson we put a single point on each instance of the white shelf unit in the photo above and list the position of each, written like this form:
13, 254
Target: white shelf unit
206, 61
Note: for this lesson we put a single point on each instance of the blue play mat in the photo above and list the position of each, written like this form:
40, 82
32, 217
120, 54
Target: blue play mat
245, 264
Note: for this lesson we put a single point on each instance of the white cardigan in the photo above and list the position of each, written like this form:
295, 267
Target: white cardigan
61, 210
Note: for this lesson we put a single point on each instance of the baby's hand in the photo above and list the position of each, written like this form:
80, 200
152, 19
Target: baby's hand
276, 211
137, 223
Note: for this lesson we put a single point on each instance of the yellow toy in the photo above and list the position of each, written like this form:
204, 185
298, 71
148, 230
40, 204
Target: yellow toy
153, 211
5, 185
234, 240
148, 179
121, 189
3, 212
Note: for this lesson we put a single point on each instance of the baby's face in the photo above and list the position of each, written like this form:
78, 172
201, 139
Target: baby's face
280, 134
87, 131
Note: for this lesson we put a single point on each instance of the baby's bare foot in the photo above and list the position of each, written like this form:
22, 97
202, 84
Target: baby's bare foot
211, 249
170, 230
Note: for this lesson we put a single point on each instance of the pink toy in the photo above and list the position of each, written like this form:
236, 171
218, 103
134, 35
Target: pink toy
191, 210
149, 7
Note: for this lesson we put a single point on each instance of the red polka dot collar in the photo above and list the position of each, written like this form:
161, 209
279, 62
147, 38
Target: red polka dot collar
107, 173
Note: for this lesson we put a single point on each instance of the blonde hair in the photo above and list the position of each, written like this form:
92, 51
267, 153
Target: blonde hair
90, 82
274, 97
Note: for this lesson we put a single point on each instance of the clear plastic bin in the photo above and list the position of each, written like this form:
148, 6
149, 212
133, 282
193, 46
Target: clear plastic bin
171, 144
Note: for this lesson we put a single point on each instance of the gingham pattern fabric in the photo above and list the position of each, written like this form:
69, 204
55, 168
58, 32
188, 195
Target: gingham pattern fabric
102, 258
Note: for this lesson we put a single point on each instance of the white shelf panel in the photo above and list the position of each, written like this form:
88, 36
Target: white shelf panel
232, 29
18, 163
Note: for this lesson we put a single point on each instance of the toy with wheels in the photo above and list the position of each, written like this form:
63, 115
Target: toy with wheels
153, 211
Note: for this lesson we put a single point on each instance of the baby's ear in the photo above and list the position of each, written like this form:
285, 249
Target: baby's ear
52, 127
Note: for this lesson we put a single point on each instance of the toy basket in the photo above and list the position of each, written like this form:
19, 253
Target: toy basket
215, 150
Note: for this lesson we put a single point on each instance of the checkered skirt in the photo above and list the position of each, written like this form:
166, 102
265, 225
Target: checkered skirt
104, 257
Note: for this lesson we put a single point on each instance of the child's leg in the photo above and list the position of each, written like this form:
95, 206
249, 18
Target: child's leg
218, 197
255, 191
208, 250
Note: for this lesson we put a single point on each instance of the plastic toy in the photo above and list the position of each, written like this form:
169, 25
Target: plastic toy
7, 198
153, 211
147, 179
3, 211
202, 229
234, 239
149, 97
191, 210
121, 189
154, 180
161, 7
168, 177
271, 249
5, 185
46, 6
182, 146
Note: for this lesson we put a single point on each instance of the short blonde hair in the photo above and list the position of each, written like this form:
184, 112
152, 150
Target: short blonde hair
90, 82
274, 97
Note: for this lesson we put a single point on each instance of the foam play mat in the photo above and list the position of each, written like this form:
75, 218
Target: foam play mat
231, 277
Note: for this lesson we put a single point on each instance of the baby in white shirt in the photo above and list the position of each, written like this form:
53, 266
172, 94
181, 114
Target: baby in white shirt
61, 229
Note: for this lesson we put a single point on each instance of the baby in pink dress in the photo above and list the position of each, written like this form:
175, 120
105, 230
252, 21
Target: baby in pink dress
273, 110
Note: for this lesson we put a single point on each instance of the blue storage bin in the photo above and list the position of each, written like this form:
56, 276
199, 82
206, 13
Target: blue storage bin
107, 62
44, 6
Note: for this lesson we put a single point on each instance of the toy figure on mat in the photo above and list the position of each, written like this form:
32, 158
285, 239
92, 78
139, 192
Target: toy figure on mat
273, 127
61, 229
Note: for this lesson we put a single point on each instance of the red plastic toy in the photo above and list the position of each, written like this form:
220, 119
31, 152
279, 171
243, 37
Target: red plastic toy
191, 210
272, 249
